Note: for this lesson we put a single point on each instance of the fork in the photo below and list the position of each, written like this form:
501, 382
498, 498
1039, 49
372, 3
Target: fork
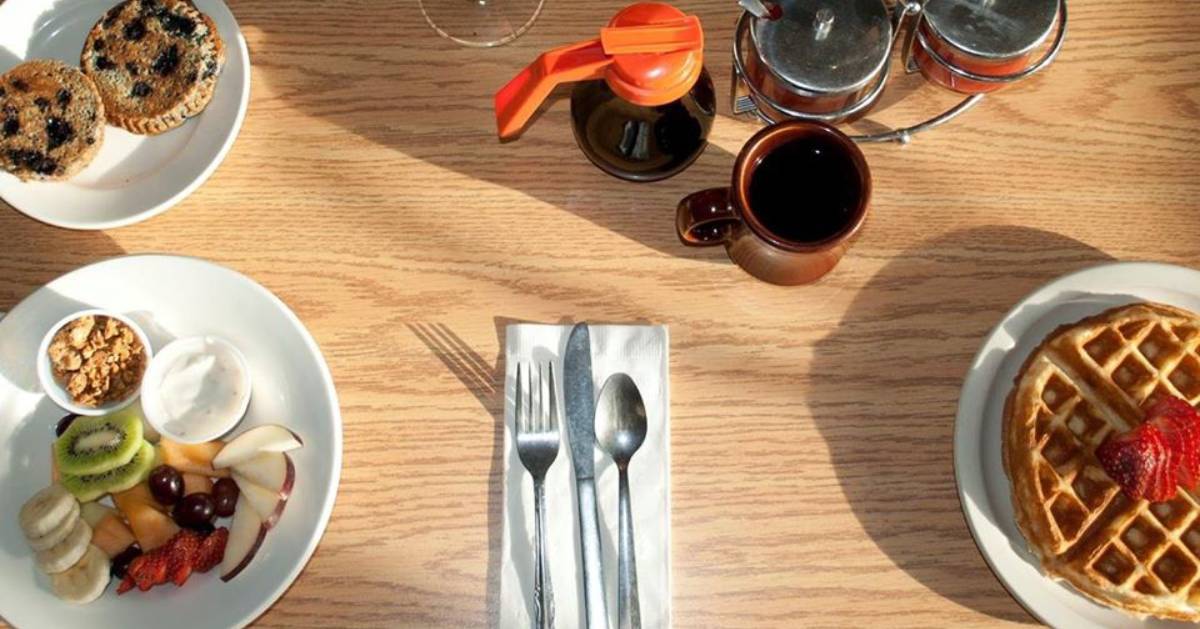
537, 446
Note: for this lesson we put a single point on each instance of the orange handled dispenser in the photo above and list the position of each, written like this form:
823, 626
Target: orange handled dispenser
644, 103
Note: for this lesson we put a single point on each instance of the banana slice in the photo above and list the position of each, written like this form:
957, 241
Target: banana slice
59, 533
85, 581
46, 510
64, 554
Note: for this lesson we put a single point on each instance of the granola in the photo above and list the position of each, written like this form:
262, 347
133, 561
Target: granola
97, 359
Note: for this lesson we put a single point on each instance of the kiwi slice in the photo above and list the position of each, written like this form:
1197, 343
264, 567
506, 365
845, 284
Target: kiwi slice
92, 445
89, 487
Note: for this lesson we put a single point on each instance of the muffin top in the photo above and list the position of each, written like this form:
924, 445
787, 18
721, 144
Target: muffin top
51, 120
148, 57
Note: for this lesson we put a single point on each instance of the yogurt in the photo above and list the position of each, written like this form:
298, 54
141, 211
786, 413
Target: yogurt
196, 389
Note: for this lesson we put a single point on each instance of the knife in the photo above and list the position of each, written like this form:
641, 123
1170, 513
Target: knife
580, 403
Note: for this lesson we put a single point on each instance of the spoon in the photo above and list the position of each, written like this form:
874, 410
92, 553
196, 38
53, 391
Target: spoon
620, 431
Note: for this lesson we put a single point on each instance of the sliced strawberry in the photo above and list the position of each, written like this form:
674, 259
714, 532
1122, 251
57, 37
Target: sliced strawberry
181, 555
212, 550
1181, 425
1165, 481
126, 584
1169, 406
1132, 460
149, 570
172, 562
1152, 460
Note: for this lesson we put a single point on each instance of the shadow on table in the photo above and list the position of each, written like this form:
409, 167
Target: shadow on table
32, 253
910, 335
485, 381
424, 97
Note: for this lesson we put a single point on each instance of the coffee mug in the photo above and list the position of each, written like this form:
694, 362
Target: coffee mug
799, 196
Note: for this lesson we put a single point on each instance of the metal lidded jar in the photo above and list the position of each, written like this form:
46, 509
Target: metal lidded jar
977, 46
819, 59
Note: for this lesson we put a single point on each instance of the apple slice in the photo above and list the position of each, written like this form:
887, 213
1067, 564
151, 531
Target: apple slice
271, 470
267, 503
246, 534
269, 438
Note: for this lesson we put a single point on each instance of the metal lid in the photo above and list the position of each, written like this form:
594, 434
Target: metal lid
992, 29
825, 46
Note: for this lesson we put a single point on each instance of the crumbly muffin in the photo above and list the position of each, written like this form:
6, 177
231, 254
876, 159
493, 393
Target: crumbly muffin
51, 120
155, 62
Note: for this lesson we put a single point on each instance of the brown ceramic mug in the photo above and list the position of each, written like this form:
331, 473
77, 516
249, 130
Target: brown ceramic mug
799, 196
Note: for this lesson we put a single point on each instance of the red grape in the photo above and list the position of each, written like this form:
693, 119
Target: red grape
195, 511
121, 562
225, 495
166, 484
64, 424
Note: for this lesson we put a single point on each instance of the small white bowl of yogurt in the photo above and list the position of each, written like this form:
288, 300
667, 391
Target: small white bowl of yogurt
196, 389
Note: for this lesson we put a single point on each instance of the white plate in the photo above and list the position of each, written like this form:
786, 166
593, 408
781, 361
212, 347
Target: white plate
133, 177
983, 487
170, 297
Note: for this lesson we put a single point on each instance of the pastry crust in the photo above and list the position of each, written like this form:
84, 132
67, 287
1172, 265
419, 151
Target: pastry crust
155, 63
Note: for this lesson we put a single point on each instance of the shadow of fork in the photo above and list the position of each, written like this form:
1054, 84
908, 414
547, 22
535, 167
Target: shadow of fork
486, 383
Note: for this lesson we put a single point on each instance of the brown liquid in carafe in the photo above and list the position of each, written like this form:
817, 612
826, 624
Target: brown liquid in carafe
806, 190
641, 143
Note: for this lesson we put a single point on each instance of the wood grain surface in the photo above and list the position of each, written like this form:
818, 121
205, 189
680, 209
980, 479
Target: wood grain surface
813, 478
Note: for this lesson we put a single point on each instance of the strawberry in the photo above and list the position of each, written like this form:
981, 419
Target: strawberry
1152, 460
212, 550
181, 555
1168, 463
1181, 425
126, 584
149, 570
173, 562
1134, 460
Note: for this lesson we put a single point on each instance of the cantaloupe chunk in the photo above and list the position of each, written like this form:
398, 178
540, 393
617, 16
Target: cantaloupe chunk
196, 484
112, 536
192, 458
138, 494
151, 527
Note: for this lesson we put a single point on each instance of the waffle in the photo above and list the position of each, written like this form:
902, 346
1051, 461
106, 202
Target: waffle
1086, 381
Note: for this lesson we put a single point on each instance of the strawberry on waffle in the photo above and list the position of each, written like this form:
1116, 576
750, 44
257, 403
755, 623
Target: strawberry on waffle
1102, 447
1152, 459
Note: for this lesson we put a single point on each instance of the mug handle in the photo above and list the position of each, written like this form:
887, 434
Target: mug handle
706, 218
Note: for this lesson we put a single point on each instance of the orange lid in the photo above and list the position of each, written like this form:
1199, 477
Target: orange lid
650, 54
655, 78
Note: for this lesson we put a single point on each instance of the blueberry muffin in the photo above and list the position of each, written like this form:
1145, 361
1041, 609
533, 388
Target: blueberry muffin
155, 62
51, 120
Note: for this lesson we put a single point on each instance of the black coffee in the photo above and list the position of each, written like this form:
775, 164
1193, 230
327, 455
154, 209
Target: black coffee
806, 190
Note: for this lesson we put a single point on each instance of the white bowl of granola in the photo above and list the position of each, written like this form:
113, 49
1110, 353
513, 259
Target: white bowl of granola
93, 361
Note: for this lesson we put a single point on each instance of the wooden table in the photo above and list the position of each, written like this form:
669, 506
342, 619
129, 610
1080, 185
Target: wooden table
813, 478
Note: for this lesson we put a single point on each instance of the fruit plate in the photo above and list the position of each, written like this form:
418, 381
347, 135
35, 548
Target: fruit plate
170, 297
983, 487
133, 177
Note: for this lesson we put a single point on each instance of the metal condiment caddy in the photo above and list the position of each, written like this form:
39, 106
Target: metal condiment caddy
828, 60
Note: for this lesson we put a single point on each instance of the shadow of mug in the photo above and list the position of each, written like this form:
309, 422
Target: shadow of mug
909, 335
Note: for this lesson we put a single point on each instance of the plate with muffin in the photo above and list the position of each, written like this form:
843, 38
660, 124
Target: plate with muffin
112, 112
1077, 448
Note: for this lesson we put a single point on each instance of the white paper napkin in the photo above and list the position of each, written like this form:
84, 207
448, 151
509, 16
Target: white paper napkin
641, 352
